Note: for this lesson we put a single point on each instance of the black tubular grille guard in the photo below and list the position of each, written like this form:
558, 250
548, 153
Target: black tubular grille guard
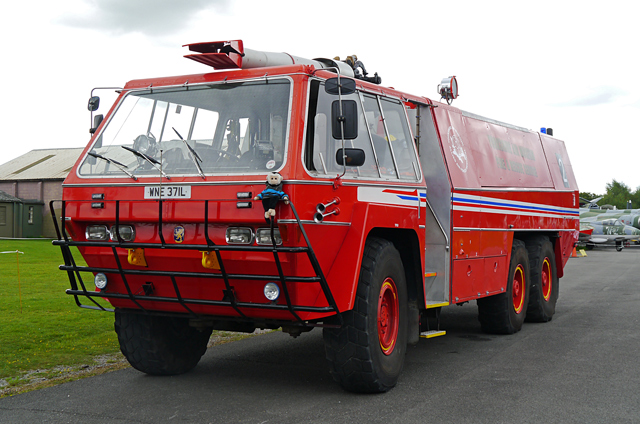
78, 287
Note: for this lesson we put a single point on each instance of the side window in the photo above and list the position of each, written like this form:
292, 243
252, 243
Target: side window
321, 147
382, 153
320, 142
378, 136
400, 139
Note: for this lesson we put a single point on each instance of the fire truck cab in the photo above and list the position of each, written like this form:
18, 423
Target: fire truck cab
280, 192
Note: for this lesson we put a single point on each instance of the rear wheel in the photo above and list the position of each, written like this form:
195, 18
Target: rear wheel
367, 353
159, 345
544, 280
504, 313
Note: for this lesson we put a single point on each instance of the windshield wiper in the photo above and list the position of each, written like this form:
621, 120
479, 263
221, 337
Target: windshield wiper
194, 155
115, 163
149, 159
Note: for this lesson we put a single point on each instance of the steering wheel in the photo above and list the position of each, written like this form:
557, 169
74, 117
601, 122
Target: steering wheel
224, 154
145, 143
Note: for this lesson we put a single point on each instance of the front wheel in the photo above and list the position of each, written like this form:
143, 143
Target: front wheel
367, 353
160, 345
504, 313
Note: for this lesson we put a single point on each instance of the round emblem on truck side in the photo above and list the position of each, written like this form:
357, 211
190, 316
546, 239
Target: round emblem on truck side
178, 234
458, 152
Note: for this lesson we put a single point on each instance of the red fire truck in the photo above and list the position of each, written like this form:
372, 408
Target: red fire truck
281, 192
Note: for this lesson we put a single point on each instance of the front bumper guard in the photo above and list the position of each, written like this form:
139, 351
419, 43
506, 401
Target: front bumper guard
79, 289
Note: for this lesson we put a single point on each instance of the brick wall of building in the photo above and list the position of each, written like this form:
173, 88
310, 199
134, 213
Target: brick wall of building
9, 187
31, 190
51, 190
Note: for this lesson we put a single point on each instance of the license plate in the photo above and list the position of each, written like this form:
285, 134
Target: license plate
167, 192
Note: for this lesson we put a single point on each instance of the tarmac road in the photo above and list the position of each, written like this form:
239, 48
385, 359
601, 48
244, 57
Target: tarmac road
582, 367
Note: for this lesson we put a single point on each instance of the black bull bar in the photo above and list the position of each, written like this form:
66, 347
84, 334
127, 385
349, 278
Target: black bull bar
78, 287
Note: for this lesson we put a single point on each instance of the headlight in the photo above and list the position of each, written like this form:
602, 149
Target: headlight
127, 233
263, 236
100, 280
97, 232
239, 235
271, 291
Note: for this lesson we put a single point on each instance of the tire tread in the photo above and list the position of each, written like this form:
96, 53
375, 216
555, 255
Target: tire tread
348, 349
158, 345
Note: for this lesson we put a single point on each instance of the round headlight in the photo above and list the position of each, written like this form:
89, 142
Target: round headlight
100, 280
271, 291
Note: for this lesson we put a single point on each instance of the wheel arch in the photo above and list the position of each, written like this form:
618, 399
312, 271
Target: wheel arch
554, 238
407, 243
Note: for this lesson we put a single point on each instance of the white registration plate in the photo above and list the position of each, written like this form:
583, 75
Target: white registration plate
167, 192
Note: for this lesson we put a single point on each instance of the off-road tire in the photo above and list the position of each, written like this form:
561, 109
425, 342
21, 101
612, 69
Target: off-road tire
498, 314
544, 280
160, 345
356, 352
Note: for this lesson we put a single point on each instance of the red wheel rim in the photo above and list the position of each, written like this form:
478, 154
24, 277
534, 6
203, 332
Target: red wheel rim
518, 289
388, 316
546, 277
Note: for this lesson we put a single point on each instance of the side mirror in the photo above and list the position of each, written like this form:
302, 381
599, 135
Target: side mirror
346, 86
97, 120
94, 103
354, 157
349, 118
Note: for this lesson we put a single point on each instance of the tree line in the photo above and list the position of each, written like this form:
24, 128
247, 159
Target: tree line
618, 194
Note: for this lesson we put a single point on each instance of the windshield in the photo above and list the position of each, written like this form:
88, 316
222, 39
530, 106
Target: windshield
230, 128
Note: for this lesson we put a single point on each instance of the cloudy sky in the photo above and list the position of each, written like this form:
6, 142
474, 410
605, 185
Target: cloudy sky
569, 65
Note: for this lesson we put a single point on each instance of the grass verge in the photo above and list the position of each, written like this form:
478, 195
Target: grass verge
42, 328
45, 339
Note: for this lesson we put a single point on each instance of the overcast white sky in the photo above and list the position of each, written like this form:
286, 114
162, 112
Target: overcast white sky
569, 65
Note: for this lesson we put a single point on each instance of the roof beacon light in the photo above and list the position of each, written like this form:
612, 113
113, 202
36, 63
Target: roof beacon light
547, 131
448, 89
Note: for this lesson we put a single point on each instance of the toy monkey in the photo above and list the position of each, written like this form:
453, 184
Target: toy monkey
271, 195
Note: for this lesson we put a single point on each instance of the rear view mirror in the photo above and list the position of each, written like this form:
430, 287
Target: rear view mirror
346, 86
348, 120
94, 103
97, 120
354, 157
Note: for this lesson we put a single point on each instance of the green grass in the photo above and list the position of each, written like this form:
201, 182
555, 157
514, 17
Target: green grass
40, 326
45, 339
